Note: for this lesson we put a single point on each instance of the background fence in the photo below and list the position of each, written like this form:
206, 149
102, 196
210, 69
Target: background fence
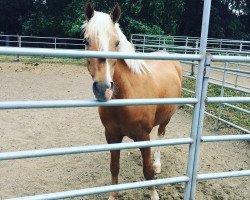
199, 101
41, 42
186, 44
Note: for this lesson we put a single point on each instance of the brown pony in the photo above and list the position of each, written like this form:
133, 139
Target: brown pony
125, 79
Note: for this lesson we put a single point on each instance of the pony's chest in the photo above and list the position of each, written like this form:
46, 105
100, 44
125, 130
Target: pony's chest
125, 119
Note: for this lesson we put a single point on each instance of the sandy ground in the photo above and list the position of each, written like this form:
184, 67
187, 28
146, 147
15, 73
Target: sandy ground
48, 128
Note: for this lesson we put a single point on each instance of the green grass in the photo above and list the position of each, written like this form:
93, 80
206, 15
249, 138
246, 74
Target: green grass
230, 114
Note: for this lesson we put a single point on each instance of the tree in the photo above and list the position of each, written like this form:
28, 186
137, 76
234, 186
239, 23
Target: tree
13, 14
45, 18
229, 18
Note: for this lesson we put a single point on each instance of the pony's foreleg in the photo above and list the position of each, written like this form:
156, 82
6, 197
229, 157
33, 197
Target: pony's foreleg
114, 162
114, 169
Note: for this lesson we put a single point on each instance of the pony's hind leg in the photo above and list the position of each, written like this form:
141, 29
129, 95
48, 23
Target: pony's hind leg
148, 169
157, 153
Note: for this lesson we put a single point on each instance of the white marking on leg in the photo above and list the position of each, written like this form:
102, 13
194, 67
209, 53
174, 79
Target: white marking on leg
157, 158
111, 197
154, 194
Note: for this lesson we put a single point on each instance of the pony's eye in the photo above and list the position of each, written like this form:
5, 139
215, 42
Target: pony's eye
117, 43
87, 41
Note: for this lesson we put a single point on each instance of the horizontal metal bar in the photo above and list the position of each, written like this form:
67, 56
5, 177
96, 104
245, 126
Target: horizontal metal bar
230, 70
188, 76
106, 189
231, 73
52, 43
52, 38
215, 82
223, 120
240, 64
92, 148
228, 99
187, 90
94, 54
167, 46
230, 85
228, 51
223, 175
240, 89
224, 138
230, 58
92, 103
229, 123
237, 108
9, 41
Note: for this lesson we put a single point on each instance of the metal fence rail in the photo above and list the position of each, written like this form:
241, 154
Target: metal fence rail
186, 44
41, 42
194, 141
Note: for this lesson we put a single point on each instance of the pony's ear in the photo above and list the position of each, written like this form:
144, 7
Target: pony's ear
116, 13
89, 10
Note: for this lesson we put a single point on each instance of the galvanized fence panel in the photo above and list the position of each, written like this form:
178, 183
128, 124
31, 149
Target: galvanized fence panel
193, 141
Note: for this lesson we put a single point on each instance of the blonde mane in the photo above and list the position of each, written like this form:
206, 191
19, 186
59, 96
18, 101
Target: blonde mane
101, 28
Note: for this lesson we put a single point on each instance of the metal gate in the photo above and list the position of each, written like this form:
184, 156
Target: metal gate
194, 141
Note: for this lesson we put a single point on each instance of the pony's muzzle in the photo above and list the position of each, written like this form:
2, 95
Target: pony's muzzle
103, 91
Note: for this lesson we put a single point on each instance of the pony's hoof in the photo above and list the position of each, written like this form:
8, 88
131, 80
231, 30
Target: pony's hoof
157, 168
154, 195
113, 196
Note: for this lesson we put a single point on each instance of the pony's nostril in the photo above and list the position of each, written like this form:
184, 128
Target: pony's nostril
95, 85
111, 85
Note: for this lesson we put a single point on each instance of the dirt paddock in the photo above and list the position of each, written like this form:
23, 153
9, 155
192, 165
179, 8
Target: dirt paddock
50, 128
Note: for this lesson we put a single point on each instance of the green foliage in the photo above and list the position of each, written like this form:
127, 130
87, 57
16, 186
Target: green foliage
13, 14
229, 18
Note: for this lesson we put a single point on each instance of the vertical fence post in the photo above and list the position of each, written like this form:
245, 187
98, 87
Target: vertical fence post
237, 76
144, 41
196, 46
222, 94
159, 43
7, 41
186, 45
55, 43
199, 108
241, 44
192, 65
19, 39
220, 44
164, 44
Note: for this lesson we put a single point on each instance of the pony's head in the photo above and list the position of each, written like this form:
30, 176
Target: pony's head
102, 33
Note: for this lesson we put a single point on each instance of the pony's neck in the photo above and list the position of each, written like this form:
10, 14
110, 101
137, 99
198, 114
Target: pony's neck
136, 66
124, 80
